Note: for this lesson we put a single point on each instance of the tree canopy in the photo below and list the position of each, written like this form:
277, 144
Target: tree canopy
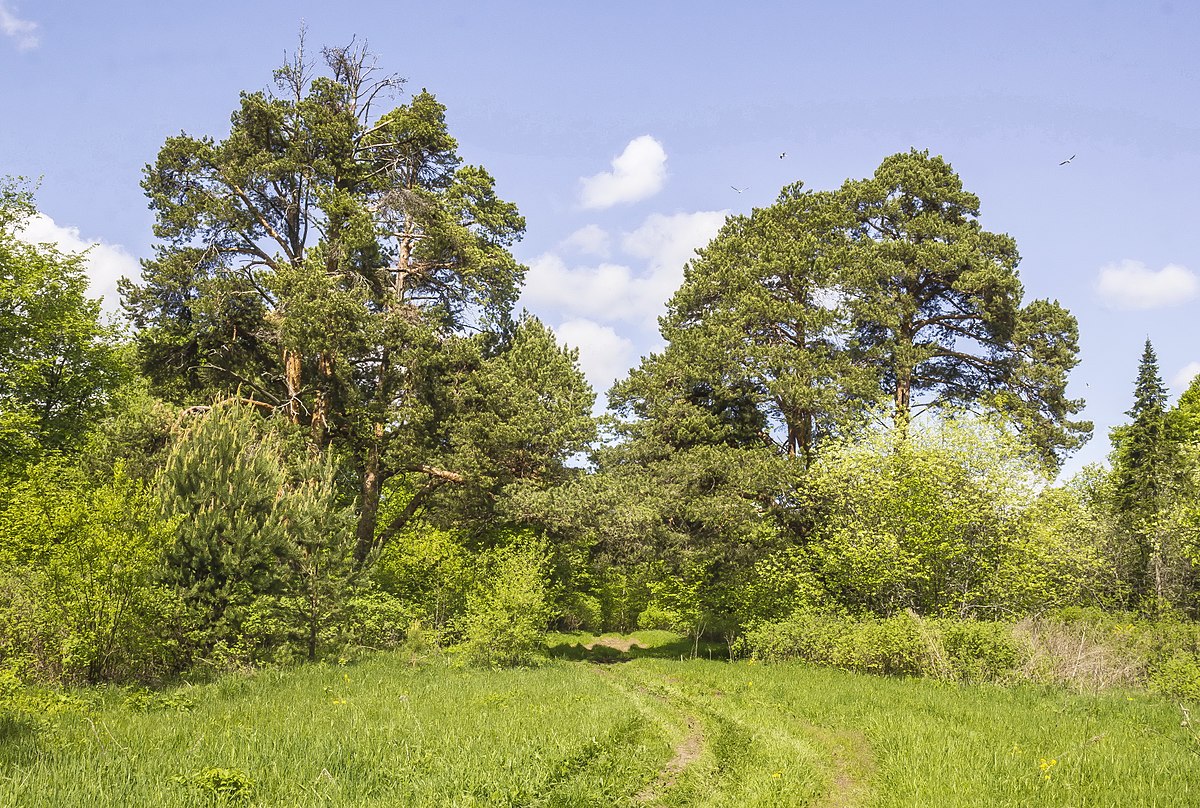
333, 260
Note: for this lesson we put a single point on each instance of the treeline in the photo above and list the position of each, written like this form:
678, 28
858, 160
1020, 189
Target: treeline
325, 429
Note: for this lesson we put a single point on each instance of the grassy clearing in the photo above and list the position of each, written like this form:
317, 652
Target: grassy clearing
378, 733
796, 735
646, 732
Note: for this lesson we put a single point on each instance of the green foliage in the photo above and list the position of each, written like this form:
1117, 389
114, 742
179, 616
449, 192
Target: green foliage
227, 786
979, 651
59, 366
78, 596
924, 521
506, 613
428, 569
936, 306
377, 620
334, 258
965, 650
656, 617
1177, 677
1140, 474
263, 554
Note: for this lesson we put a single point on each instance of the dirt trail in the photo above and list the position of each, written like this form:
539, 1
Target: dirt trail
687, 751
850, 754
618, 643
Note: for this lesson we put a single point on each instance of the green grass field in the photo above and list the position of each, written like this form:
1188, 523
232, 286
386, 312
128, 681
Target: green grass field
652, 730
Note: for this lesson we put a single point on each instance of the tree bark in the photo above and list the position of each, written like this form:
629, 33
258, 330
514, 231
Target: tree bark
372, 487
291, 380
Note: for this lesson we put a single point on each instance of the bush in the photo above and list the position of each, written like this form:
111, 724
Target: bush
426, 567
507, 613
78, 600
378, 621
805, 636
894, 646
902, 645
1178, 677
980, 651
655, 617
582, 611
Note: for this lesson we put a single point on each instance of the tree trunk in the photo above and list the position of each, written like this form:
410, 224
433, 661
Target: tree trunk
903, 400
320, 416
291, 379
372, 487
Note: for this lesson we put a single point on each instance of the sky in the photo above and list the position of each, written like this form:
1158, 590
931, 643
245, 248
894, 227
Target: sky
627, 131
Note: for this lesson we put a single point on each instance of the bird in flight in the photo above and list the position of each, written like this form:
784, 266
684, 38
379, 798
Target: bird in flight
782, 155
1069, 159
739, 190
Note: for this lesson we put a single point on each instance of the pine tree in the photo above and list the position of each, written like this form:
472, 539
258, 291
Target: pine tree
222, 482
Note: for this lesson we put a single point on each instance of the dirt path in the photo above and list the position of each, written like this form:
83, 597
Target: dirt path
847, 752
850, 754
686, 752
618, 643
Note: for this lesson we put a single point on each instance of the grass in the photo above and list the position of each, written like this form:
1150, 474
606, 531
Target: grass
377, 733
653, 731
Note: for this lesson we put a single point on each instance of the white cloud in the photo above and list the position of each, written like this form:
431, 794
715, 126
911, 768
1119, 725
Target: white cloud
669, 242
611, 292
637, 173
1184, 377
606, 291
589, 240
604, 355
104, 263
24, 32
1133, 285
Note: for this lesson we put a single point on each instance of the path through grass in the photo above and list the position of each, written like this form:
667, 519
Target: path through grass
572, 733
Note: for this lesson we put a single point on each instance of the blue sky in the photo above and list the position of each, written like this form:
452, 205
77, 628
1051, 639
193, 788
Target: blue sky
688, 99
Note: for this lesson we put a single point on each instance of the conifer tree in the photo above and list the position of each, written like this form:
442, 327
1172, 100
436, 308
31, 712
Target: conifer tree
1140, 469
222, 482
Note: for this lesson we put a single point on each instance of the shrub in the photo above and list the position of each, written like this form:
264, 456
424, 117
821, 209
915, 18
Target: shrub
426, 567
979, 651
657, 617
582, 611
378, 620
902, 645
1177, 676
506, 614
894, 646
806, 636
78, 599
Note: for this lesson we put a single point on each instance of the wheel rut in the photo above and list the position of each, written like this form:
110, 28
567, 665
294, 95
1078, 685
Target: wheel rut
685, 752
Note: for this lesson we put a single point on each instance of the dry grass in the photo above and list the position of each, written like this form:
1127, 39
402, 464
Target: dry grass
1081, 657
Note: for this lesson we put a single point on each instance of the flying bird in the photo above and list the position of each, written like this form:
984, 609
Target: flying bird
782, 155
1069, 159
739, 190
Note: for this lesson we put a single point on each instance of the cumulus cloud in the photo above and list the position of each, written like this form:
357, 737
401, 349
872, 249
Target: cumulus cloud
637, 173
104, 264
605, 291
1183, 378
615, 292
23, 32
589, 240
669, 242
604, 355
1133, 285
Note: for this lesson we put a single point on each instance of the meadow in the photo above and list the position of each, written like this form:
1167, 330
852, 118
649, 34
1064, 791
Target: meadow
646, 729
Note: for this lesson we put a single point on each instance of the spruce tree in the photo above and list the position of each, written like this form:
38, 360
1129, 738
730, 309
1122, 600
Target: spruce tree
1140, 468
